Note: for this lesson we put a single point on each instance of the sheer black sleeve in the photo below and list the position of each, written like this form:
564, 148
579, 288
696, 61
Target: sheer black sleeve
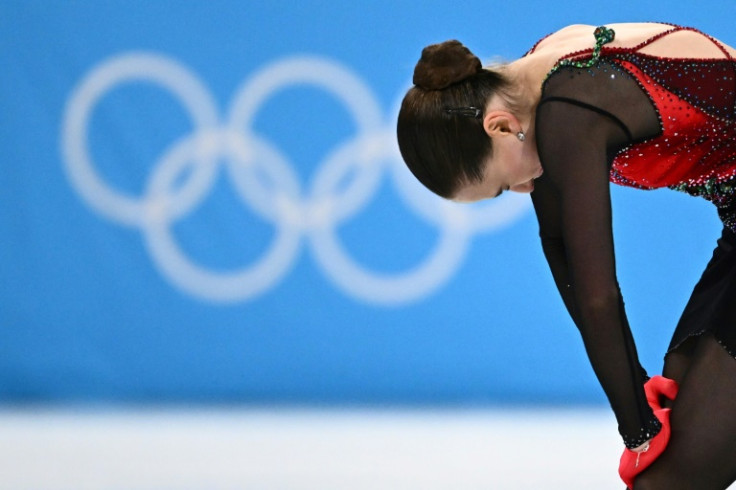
584, 117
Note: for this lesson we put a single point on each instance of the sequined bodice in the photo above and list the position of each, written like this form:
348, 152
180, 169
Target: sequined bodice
695, 151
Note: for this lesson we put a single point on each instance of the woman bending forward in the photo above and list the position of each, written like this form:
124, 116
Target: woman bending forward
641, 105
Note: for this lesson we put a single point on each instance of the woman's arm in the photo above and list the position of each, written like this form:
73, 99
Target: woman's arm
547, 209
574, 209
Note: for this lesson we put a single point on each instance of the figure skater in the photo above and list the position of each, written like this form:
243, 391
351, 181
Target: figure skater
644, 105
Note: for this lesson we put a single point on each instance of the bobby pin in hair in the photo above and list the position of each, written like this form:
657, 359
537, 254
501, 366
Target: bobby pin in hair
464, 111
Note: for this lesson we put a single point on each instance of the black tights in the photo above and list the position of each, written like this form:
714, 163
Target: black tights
701, 454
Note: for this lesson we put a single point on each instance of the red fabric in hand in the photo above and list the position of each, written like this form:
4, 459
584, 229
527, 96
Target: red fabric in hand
658, 387
632, 463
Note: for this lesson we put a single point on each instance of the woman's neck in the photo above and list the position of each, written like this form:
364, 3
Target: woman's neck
525, 77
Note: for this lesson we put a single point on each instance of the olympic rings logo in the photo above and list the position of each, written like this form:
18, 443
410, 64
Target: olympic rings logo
313, 215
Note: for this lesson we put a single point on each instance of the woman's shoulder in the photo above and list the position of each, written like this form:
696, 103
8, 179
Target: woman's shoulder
572, 30
561, 37
578, 37
671, 41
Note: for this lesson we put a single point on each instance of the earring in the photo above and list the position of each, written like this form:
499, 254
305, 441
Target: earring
521, 135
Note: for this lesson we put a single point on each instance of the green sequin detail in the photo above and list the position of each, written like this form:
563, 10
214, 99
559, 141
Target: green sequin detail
603, 35
710, 187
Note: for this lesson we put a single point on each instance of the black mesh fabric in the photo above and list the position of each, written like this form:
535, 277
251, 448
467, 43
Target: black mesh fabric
585, 116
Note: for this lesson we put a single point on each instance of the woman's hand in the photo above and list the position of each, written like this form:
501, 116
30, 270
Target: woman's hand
643, 447
659, 390
634, 461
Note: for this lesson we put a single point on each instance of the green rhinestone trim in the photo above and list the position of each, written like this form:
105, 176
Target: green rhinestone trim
603, 35
711, 187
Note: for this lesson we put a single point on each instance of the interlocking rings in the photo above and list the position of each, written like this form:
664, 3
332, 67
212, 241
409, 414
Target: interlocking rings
213, 147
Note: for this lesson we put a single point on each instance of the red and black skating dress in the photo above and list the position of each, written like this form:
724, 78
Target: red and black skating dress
611, 114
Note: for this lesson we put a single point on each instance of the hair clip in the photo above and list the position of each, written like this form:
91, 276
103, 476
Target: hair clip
473, 112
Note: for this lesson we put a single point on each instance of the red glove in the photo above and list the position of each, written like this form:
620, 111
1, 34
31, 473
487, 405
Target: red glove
658, 387
632, 463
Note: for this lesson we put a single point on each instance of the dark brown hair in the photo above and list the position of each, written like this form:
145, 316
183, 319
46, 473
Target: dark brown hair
441, 136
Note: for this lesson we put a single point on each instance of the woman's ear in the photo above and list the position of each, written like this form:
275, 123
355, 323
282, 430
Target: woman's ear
500, 123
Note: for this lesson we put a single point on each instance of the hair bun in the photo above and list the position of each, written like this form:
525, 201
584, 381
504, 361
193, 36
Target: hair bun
443, 64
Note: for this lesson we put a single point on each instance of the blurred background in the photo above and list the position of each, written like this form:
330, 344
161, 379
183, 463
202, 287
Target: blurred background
216, 273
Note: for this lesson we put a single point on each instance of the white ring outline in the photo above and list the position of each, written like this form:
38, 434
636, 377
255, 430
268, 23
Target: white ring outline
309, 70
78, 163
322, 74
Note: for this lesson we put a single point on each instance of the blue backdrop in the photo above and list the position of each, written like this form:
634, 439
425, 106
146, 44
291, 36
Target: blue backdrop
202, 202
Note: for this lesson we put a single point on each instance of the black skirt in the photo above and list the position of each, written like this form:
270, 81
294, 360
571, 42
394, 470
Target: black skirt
712, 305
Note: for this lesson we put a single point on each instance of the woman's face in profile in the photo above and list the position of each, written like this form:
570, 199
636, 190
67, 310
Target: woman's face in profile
513, 167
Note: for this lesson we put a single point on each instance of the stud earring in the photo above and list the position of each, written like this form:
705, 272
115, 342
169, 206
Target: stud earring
521, 135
